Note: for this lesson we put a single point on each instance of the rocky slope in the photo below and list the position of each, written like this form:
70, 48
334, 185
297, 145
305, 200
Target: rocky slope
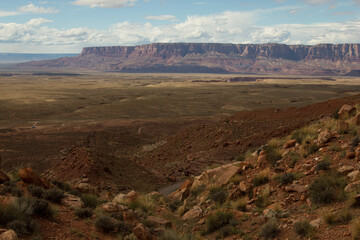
301, 186
323, 59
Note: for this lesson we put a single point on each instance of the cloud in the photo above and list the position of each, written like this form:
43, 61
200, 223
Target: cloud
200, 3
294, 11
105, 3
8, 13
170, 18
225, 27
31, 8
319, 2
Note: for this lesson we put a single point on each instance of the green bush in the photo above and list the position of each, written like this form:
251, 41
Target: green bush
11, 188
260, 179
218, 195
20, 227
105, 224
327, 189
36, 191
273, 154
269, 230
303, 228
169, 235
43, 208
54, 195
62, 185
287, 178
89, 200
217, 220
323, 165
83, 212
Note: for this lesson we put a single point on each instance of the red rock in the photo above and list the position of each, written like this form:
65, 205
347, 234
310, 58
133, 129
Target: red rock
357, 119
346, 111
183, 190
290, 143
342, 126
27, 175
324, 137
350, 155
142, 232
295, 188
9, 235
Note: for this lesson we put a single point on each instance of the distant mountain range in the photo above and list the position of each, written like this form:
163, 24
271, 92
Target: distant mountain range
322, 59
26, 57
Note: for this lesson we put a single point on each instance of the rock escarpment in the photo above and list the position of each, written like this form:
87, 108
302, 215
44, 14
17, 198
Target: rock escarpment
326, 59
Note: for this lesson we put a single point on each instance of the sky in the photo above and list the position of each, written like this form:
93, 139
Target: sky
66, 26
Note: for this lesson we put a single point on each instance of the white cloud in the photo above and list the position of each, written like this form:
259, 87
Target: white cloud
105, 3
294, 11
319, 2
8, 13
170, 18
31, 8
225, 27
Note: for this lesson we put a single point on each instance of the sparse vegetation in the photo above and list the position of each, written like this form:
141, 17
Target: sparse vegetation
343, 217
54, 195
105, 224
240, 204
303, 228
262, 199
83, 212
217, 220
261, 178
269, 230
273, 154
323, 164
89, 200
36, 191
327, 189
355, 229
218, 195
294, 158
287, 178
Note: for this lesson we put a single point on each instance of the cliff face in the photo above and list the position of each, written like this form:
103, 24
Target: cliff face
213, 57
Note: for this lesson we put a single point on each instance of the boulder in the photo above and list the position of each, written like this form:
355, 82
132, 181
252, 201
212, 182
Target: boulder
324, 137
244, 186
71, 201
85, 188
27, 175
262, 159
3, 177
159, 222
354, 175
347, 111
316, 223
342, 127
295, 188
142, 232
290, 143
110, 207
350, 155
183, 190
357, 119
126, 198
345, 169
196, 212
352, 186
8, 235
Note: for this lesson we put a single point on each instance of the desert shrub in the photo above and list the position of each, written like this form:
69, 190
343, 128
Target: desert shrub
194, 192
62, 185
83, 212
19, 226
303, 228
43, 208
269, 230
217, 220
355, 141
117, 215
89, 200
294, 158
260, 179
130, 237
335, 114
343, 217
36, 191
305, 134
273, 154
218, 195
311, 149
226, 231
355, 229
105, 224
174, 205
335, 147
54, 195
75, 192
327, 189
262, 199
287, 178
323, 164
240, 158
11, 188
240, 204
236, 179
169, 235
